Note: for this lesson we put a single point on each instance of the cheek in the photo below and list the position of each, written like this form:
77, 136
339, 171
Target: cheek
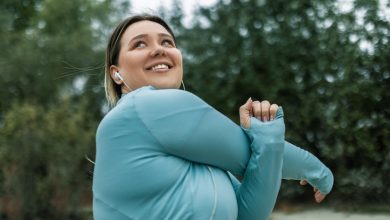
177, 55
130, 59
180, 57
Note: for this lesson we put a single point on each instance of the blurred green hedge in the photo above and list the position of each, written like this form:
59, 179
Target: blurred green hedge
328, 67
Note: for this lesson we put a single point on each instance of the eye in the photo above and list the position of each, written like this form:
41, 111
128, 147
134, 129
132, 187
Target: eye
168, 43
140, 44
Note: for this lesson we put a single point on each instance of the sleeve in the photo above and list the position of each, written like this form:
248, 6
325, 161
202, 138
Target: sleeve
189, 128
256, 196
299, 164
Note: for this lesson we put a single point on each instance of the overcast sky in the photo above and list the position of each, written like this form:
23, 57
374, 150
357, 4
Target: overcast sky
150, 6
154, 4
139, 6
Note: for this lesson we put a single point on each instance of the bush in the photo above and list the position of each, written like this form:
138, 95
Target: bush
42, 154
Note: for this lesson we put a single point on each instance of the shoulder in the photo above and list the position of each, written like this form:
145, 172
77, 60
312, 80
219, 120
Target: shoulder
165, 97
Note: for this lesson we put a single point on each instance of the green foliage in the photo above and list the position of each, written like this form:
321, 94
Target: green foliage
46, 55
308, 57
51, 53
42, 159
328, 69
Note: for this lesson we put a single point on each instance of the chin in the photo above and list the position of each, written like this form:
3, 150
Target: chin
167, 85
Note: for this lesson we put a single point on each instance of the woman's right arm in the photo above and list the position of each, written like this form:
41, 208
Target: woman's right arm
189, 128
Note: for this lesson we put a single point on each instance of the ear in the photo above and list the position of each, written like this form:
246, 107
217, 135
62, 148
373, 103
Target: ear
113, 70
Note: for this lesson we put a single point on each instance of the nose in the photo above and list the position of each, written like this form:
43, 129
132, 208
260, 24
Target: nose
158, 50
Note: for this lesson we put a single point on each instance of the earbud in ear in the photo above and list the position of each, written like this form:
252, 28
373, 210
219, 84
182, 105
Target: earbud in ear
118, 76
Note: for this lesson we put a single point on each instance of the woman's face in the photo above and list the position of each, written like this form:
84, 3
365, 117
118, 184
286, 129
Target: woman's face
148, 56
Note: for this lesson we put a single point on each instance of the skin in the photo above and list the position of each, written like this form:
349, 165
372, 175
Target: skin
145, 45
318, 196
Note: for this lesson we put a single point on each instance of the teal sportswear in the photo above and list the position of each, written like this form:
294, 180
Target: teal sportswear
166, 154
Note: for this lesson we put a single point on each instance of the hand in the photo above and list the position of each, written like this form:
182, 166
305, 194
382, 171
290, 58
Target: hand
263, 111
318, 196
246, 114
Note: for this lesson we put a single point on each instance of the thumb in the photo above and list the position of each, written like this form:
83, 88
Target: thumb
246, 113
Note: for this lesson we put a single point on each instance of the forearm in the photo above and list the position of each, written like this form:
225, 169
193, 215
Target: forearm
299, 164
257, 194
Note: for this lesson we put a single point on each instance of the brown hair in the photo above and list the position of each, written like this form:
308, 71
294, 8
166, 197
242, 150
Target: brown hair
113, 90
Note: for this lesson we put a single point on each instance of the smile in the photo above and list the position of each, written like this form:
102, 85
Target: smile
160, 67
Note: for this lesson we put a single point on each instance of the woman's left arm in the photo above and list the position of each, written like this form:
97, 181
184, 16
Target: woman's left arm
299, 164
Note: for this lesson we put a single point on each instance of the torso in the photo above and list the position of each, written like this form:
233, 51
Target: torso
135, 179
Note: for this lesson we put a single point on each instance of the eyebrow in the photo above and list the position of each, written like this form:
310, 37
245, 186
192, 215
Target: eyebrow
145, 35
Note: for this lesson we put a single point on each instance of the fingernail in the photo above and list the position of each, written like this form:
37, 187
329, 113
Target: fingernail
250, 99
271, 118
265, 119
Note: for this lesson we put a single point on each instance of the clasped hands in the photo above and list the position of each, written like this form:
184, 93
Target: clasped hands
265, 111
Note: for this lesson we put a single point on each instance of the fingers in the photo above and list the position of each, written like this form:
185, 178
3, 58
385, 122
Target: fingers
245, 112
272, 111
319, 197
264, 111
256, 108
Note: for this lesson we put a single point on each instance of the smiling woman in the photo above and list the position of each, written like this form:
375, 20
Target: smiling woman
148, 57
142, 52
163, 153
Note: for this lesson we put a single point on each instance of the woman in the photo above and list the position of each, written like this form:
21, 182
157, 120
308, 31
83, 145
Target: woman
163, 153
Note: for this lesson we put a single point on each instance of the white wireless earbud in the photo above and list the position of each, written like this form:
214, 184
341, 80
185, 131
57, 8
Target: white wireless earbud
117, 75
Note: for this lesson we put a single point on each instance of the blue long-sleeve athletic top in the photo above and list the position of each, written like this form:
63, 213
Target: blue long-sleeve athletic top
166, 154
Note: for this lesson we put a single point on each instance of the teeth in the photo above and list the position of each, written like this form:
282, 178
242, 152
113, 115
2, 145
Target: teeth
160, 66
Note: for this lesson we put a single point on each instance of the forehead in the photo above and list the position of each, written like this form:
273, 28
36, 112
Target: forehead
144, 27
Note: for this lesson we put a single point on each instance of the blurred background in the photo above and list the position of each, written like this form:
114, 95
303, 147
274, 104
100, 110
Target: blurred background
327, 62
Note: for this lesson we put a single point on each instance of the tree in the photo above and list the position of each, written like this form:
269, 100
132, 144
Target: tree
59, 42
51, 101
308, 57
42, 160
